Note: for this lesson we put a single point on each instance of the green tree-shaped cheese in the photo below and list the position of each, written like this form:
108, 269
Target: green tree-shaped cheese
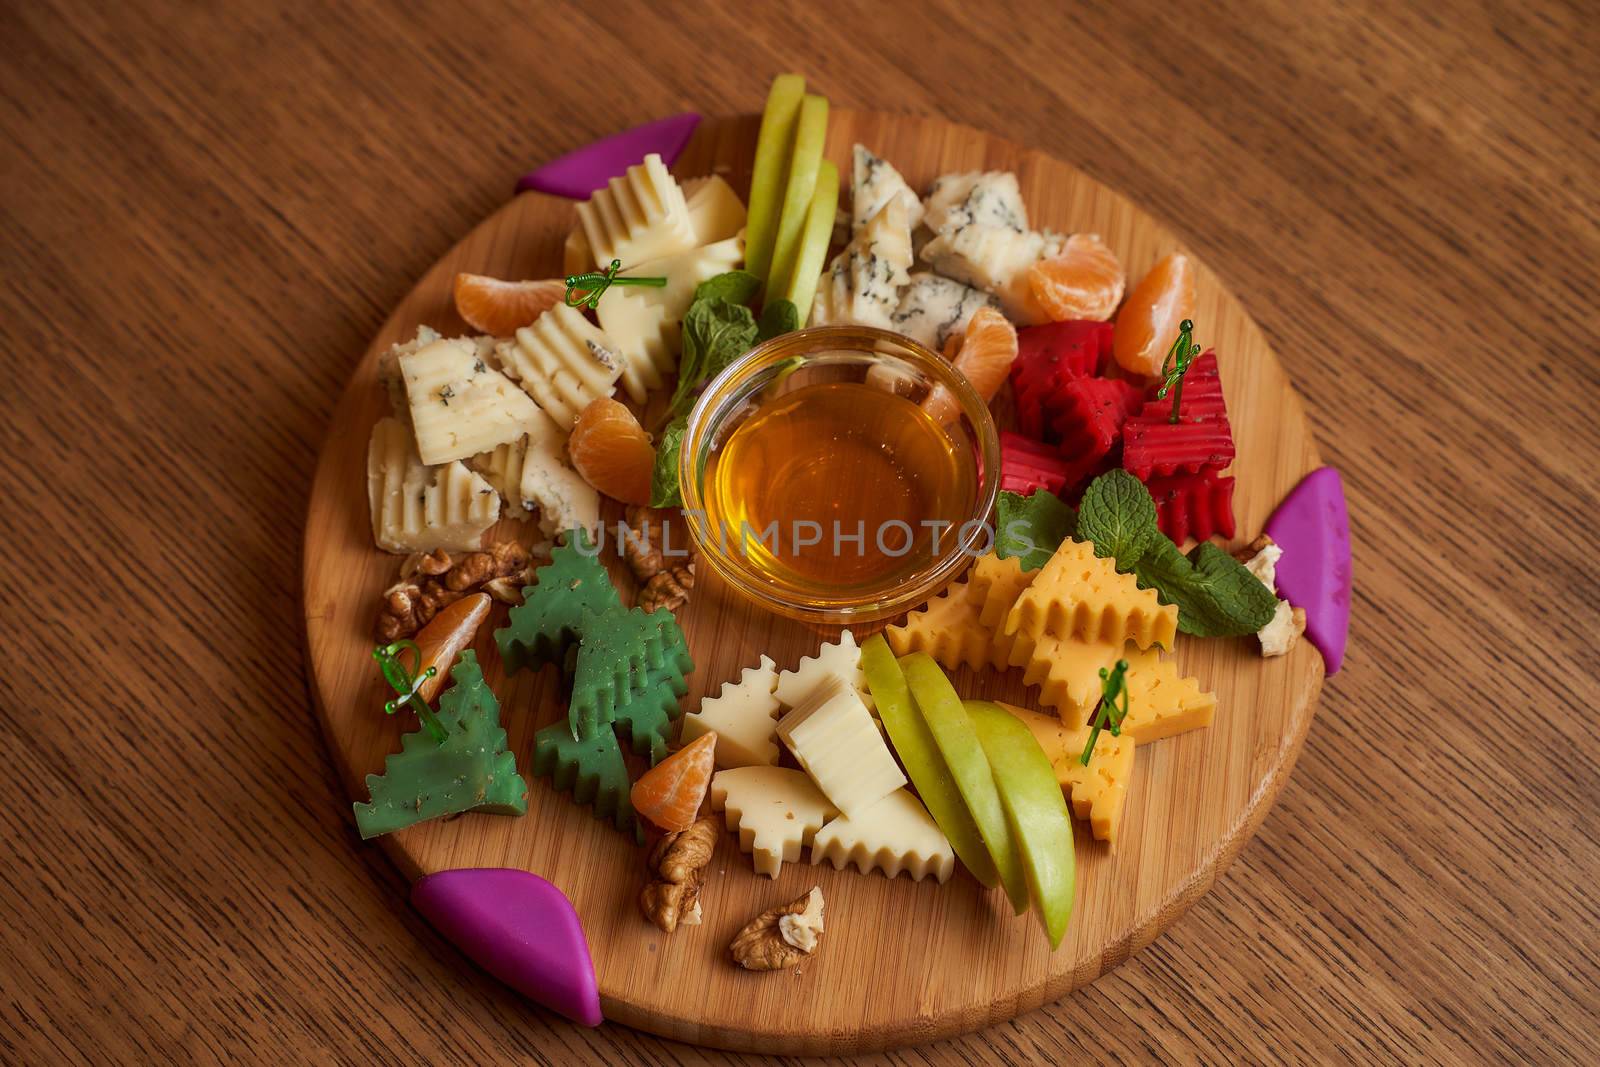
539, 630
591, 769
649, 712
470, 771
619, 651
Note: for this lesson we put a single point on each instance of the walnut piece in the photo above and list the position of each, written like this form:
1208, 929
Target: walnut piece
430, 582
664, 572
780, 937
677, 866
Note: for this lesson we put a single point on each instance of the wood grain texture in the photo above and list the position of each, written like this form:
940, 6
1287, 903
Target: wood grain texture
904, 962
207, 212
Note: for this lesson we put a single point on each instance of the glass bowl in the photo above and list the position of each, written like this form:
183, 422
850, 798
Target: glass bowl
790, 435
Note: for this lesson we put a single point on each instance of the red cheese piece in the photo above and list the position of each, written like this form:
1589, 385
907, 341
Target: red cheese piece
1089, 414
1163, 448
1028, 465
1194, 505
1049, 355
1202, 394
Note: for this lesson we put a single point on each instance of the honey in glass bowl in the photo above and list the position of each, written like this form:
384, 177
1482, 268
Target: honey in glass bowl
815, 481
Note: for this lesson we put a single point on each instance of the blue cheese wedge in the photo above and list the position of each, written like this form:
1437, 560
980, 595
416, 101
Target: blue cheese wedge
564, 362
933, 307
418, 508
986, 198
995, 259
874, 182
460, 404
864, 282
534, 479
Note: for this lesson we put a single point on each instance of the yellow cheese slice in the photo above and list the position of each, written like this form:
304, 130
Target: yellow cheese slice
837, 659
460, 405
1067, 673
743, 716
1078, 594
776, 811
1161, 702
1001, 582
896, 834
641, 215
563, 361
1097, 792
949, 629
836, 741
417, 508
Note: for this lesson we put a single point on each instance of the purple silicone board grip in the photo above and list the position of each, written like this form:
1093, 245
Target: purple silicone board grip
519, 928
580, 172
1312, 526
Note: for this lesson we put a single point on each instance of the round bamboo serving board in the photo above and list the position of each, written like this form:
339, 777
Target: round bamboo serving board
901, 962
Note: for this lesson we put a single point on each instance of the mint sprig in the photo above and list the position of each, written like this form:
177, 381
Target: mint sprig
1032, 527
1214, 593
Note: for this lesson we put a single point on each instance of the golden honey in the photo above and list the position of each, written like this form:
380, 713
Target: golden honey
837, 489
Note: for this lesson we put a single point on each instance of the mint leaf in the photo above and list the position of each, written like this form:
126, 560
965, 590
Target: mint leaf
1119, 516
1031, 528
715, 333
735, 286
665, 489
778, 317
1216, 596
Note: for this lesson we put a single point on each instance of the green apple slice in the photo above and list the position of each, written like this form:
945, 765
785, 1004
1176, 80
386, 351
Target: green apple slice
773, 147
805, 159
813, 250
958, 743
919, 754
1035, 809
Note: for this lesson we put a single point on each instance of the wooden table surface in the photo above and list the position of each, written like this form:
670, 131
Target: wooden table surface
205, 214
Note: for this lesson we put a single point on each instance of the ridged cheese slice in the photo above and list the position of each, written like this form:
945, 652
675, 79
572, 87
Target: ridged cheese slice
896, 834
863, 283
640, 216
950, 629
417, 508
563, 361
1097, 792
840, 659
643, 323
460, 405
715, 211
1161, 702
1067, 672
744, 716
1078, 594
532, 476
837, 742
776, 811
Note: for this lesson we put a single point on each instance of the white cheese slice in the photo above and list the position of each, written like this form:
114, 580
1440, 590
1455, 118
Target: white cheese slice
639, 216
895, 834
715, 211
934, 307
743, 714
460, 405
533, 476
836, 741
776, 811
418, 508
563, 361
839, 659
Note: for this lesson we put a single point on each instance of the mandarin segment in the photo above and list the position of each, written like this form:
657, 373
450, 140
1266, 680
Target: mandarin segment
500, 308
983, 353
612, 451
669, 794
1148, 323
1085, 281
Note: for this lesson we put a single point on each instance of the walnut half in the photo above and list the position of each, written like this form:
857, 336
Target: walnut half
677, 869
780, 937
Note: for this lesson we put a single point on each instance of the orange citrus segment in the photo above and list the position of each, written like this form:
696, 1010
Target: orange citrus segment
984, 353
500, 308
612, 451
1084, 282
669, 794
446, 634
1148, 323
